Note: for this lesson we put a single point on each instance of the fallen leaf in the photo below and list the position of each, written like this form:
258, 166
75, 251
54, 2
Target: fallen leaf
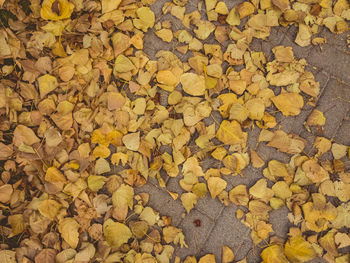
68, 228
216, 185
116, 233
290, 104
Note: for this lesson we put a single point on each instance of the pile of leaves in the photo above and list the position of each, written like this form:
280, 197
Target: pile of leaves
87, 117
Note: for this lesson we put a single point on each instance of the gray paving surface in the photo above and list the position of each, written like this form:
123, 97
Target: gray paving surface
219, 225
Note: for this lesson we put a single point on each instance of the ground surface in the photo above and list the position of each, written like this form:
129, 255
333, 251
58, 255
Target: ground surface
219, 226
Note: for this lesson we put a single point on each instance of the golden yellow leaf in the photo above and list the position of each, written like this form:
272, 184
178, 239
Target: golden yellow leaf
193, 84
233, 18
209, 258
281, 190
119, 157
56, 9
227, 255
68, 228
55, 176
231, 133
290, 104
101, 151
109, 5
200, 189
47, 83
338, 150
116, 233
149, 215
274, 254
132, 141
316, 118
304, 35
257, 162
216, 185
17, 223
297, 250
122, 199
239, 195
49, 208
123, 64
96, 182
188, 201
145, 20
165, 34
245, 9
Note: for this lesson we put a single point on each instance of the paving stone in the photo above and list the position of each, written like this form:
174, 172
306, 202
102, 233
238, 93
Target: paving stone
334, 103
209, 206
342, 135
195, 235
228, 231
161, 201
281, 227
331, 60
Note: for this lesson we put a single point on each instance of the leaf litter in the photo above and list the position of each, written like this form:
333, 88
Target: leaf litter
83, 127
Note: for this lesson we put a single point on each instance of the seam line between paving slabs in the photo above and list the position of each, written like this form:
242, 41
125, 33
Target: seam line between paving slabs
340, 124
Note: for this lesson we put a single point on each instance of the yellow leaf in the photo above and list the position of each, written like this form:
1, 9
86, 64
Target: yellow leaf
122, 198
54, 176
165, 34
6, 191
123, 64
188, 201
145, 20
289, 104
297, 250
216, 185
119, 156
96, 182
8, 256
109, 5
200, 189
132, 141
231, 133
49, 208
47, 83
56, 9
304, 35
116, 233
68, 228
233, 18
239, 195
316, 118
209, 258
245, 9
24, 135
193, 84
227, 255
274, 254
17, 224
101, 151
260, 191
149, 215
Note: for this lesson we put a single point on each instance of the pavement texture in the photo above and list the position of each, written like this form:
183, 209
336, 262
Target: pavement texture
330, 63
